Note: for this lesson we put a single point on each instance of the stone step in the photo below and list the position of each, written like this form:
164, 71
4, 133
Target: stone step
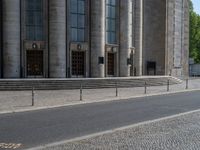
58, 84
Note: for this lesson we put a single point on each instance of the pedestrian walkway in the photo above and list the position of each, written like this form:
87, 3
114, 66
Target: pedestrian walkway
11, 101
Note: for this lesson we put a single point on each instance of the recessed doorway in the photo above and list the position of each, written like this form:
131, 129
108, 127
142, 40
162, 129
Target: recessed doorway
111, 64
78, 63
34, 63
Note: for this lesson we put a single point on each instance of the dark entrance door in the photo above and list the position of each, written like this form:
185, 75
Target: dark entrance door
151, 68
34, 65
78, 63
111, 64
132, 68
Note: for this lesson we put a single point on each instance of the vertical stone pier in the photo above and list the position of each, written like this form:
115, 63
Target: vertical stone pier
57, 38
97, 38
11, 38
186, 38
125, 36
138, 36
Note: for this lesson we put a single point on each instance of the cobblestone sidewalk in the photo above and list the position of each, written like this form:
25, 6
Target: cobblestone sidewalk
22, 100
179, 133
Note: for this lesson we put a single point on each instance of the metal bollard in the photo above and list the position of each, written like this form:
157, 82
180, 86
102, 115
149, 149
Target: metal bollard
168, 83
116, 89
81, 92
145, 88
187, 84
33, 96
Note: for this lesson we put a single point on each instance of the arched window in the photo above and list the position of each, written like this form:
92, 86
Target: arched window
78, 20
34, 20
111, 21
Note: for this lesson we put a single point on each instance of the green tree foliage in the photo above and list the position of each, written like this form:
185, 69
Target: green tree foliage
194, 35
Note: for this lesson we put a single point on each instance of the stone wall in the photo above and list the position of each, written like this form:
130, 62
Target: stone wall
166, 36
154, 35
177, 44
160, 34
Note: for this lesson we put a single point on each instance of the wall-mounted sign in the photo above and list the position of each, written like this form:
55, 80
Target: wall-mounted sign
34, 46
129, 61
79, 47
101, 60
114, 49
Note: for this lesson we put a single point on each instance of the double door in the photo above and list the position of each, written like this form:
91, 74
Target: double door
111, 64
78, 63
34, 63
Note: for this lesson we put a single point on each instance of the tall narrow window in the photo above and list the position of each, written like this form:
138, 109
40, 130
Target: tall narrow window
34, 20
111, 21
78, 14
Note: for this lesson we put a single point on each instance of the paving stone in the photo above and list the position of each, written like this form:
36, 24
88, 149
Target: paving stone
179, 133
17, 100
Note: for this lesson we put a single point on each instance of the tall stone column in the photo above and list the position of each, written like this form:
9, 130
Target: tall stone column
125, 36
11, 38
97, 38
138, 36
57, 38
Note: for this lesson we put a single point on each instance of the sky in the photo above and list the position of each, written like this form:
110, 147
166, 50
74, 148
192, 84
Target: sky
196, 4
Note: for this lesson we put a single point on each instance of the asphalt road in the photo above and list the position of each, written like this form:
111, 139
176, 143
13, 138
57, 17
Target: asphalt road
52, 125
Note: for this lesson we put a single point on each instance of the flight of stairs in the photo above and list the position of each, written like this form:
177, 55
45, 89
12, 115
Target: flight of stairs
86, 83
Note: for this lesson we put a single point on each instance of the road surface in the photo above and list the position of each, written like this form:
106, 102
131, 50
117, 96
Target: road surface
41, 127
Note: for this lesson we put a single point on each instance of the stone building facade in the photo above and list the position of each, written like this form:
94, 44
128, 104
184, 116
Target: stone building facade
93, 38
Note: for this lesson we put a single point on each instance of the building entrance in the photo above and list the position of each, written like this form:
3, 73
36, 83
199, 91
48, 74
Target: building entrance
132, 67
34, 63
151, 68
78, 63
111, 64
